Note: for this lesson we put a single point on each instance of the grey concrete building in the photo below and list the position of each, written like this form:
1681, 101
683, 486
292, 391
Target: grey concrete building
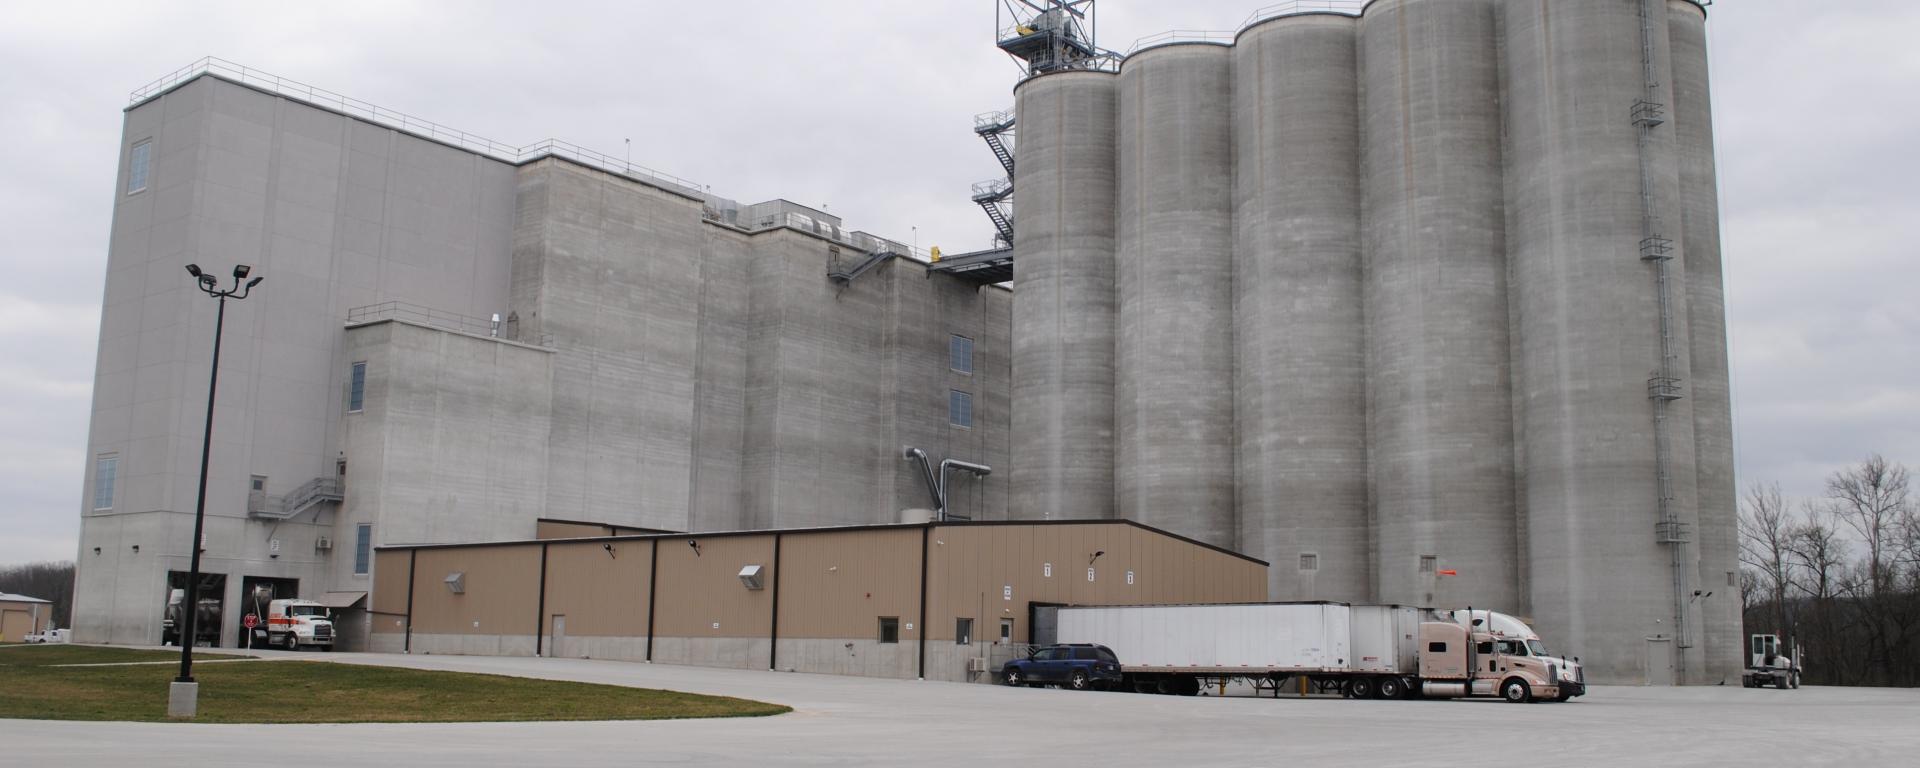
456, 338
1418, 300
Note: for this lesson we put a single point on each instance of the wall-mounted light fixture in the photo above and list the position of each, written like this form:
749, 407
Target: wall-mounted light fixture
695, 543
609, 548
96, 550
1096, 556
136, 548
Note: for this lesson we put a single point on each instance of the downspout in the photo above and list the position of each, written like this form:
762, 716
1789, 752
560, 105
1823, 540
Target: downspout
653, 588
413, 559
540, 612
926, 533
773, 631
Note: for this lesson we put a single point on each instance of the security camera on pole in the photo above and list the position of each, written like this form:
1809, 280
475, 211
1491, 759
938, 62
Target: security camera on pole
183, 697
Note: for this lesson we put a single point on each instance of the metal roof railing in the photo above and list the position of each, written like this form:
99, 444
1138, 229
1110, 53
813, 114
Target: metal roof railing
375, 113
442, 319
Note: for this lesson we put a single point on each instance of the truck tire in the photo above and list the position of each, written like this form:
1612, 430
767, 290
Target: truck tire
1077, 680
1794, 681
1360, 688
1780, 681
1515, 691
1187, 685
292, 643
1391, 688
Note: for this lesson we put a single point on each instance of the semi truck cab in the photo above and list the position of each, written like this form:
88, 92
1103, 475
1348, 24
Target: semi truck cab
292, 624
1480, 653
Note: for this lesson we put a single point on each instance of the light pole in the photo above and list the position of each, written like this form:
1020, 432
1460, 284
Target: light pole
183, 696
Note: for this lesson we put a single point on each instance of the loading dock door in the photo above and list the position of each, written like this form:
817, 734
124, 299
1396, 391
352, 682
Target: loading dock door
1044, 619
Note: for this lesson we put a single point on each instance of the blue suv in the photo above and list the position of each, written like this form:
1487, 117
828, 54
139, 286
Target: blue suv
1076, 665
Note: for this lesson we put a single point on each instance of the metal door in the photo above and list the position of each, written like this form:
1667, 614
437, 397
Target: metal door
1044, 620
1659, 661
559, 637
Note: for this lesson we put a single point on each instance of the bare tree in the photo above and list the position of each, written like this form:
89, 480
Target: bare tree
1872, 499
1766, 541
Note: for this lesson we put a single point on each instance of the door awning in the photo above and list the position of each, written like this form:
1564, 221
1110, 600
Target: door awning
342, 599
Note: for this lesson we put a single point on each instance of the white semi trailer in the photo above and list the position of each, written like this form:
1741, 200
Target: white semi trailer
1362, 651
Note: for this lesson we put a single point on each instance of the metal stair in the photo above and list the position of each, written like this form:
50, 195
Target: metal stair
990, 195
994, 127
843, 275
313, 492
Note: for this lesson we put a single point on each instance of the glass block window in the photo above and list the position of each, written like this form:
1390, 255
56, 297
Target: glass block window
959, 408
137, 162
105, 469
357, 388
960, 355
362, 548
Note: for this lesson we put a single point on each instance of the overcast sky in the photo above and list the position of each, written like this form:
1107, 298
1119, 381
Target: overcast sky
866, 108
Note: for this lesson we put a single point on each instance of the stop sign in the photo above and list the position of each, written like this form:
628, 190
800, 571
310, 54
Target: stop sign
250, 621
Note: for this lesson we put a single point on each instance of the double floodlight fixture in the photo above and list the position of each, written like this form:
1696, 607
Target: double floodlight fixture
211, 285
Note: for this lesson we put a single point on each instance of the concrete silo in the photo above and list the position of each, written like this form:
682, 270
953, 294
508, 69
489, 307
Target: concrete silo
1173, 385
1440, 419
1300, 380
1699, 209
1601, 323
1063, 306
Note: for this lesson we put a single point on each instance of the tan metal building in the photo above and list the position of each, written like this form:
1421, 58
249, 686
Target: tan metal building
943, 601
21, 616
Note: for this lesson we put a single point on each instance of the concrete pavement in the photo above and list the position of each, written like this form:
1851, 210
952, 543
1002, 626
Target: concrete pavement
844, 721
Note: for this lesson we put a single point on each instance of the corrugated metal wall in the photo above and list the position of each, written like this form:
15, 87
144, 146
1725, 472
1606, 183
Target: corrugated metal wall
832, 584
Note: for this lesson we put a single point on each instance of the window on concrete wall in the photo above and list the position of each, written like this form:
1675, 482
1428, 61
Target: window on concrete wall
963, 631
959, 408
105, 469
1309, 561
960, 354
362, 548
1428, 563
257, 483
889, 629
357, 388
137, 162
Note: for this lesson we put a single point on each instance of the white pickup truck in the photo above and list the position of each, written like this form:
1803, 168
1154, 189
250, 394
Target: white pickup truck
50, 636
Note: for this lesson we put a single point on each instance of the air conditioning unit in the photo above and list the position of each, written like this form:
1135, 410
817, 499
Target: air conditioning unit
976, 664
323, 543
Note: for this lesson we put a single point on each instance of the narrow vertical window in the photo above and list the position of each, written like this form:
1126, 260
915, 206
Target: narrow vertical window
357, 388
963, 631
959, 408
362, 548
960, 355
137, 166
105, 469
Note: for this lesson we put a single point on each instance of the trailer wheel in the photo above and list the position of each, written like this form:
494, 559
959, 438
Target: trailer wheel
1515, 691
1391, 688
1360, 688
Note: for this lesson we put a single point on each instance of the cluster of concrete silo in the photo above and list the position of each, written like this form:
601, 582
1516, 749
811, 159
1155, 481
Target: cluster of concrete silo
1364, 296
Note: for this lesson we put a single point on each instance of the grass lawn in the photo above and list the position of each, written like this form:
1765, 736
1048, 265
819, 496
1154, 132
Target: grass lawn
61, 653
321, 692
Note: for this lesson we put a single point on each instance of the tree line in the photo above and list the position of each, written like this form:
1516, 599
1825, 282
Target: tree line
1839, 574
47, 581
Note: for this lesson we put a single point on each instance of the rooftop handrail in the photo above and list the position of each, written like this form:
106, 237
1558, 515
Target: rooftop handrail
297, 90
1181, 36
442, 319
